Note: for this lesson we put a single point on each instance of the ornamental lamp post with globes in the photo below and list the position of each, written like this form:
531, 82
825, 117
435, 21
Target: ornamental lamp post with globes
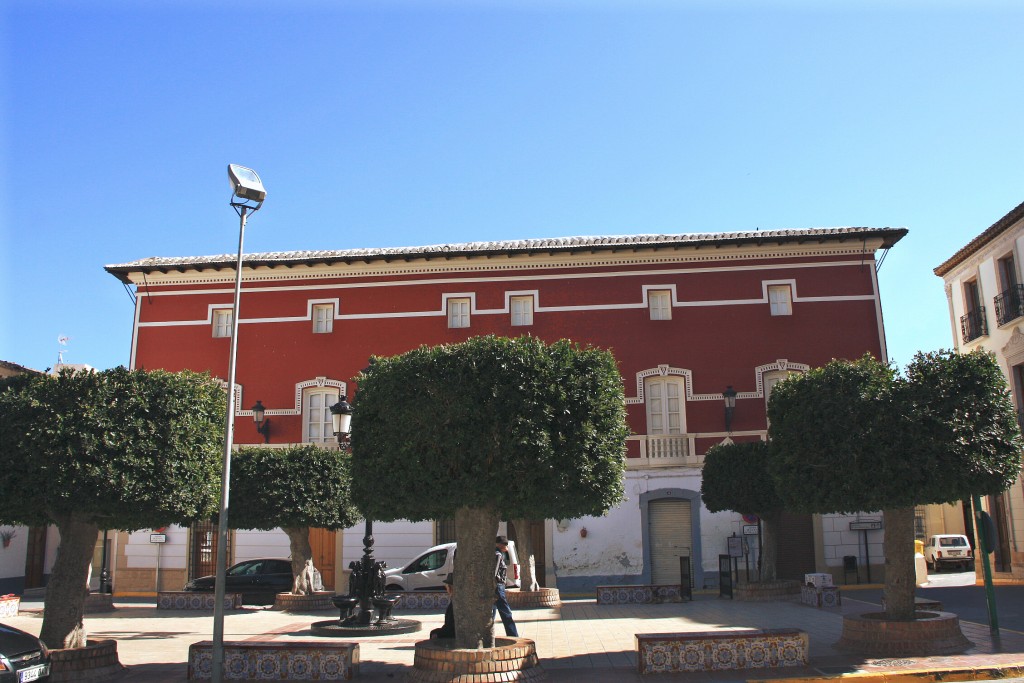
247, 195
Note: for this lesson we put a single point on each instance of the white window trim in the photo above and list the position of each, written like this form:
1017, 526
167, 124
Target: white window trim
665, 380
327, 321
768, 285
528, 314
653, 295
448, 299
216, 315
328, 436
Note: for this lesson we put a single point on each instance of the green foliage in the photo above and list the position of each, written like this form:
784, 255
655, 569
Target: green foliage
530, 429
299, 486
126, 449
735, 477
854, 436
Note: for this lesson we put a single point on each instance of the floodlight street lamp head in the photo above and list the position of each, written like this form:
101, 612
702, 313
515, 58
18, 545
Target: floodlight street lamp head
246, 186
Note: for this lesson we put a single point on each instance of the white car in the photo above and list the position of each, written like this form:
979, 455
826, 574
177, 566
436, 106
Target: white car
948, 549
429, 569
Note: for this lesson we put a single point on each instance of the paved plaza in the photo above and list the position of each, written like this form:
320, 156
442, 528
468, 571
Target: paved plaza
579, 642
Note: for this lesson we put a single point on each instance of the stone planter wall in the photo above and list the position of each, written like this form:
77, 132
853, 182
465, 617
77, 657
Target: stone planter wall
188, 600
932, 633
542, 597
9, 606
826, 596
511, 659
768, 590
97, 661
284, 661
320, 600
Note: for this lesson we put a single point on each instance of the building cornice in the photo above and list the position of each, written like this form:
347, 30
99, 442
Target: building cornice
979, 242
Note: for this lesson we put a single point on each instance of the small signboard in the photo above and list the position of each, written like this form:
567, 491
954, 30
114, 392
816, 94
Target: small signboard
866, 525
158, 538
750, 530
735, 546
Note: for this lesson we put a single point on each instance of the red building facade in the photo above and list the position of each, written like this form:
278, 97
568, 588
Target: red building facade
686, 316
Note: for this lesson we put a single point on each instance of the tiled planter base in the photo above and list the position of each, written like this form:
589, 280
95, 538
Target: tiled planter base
718, 650
283, 661
97, 661
826, 596
304, 603
932, 633
768, 590
187, 600
99, 602
512, 659
627, 595
9, 606
435, 600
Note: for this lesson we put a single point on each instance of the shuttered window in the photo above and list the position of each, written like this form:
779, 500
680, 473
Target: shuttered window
670, 537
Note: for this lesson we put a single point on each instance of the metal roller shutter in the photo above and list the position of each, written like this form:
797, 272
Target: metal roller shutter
669, 527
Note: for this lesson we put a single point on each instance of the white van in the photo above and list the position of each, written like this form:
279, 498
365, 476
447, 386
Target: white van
429, 569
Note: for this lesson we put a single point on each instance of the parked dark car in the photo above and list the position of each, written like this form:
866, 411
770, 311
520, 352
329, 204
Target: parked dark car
259, 580
23, 657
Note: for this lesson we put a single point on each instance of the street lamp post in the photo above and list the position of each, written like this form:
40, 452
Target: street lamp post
247, 195
729, 395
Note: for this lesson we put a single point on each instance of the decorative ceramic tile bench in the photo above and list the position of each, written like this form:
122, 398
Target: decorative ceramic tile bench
189, 600
322, 660
9, 606
421, 600
825, 596
721, 650
632, 595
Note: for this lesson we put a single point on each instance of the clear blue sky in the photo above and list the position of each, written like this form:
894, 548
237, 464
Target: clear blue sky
406, 123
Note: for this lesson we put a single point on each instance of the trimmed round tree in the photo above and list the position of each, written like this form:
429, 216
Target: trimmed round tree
117, 449
854, 436
293, 488
489, 429
735, 477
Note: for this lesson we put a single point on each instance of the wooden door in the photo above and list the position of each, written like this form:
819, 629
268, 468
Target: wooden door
795, 546
322, 541
35, 557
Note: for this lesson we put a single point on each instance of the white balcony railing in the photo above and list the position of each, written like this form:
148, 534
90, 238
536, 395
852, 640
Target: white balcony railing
672, 450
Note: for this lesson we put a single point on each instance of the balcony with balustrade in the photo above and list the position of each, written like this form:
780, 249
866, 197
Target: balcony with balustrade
671, 450
973, 325
1010, 304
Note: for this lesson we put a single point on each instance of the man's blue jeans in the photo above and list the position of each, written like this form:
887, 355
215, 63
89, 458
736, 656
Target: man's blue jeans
502, 608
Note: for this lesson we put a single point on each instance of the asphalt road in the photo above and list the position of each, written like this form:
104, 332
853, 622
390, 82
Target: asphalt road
966, 601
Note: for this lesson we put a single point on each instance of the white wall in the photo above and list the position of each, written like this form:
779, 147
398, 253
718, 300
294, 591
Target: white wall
394, 542
12, 558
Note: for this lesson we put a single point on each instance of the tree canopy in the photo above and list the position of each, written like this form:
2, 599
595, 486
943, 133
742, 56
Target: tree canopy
117, 449
298, 486
126, 449
533, 430
489, 429
855, 436
735, 477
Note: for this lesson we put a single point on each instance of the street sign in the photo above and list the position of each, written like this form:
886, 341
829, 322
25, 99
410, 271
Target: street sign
158, 538
865, 525
750, 530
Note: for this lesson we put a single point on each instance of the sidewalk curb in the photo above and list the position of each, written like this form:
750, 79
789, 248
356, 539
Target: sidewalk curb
987, 673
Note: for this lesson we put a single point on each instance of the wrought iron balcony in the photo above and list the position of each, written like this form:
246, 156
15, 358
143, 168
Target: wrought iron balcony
1010, 304
973, 324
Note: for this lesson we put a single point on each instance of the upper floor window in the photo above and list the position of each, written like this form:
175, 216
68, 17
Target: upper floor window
522, 310
659, 302
780, 298
323, 318
664, 399
1010, 300
317, 423
222, 322
458, 313
973, 323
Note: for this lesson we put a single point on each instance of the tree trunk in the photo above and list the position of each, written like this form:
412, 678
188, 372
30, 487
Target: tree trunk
527, 561
302, 560
900, 578
475, 529
769, 546
69, 584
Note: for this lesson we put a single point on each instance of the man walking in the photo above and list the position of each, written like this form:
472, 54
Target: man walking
501, 603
